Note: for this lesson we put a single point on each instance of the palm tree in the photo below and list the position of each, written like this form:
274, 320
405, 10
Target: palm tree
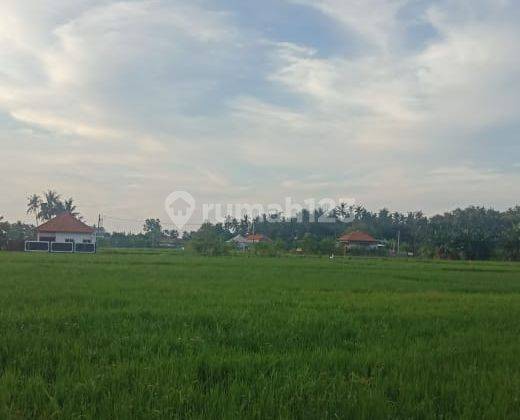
69, 207
52, 197
51, 206
33, 206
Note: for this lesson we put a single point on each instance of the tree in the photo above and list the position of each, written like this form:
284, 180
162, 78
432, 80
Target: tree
310, 244
20, 231
470, 233
68, 206
171, 234
327, 246
512, 243
4, 227
153, 230
510, 239
50, 206
268, 249
33, 206
207, 241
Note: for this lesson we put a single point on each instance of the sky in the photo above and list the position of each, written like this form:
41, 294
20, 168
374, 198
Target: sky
404, 104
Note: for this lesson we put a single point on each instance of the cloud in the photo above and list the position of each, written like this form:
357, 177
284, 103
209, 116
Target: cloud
375, 20
130, 100
54, 123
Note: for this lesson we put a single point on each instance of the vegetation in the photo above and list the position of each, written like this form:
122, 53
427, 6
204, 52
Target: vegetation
207, 241
153, 231
154, 334
50, 206
474, 233
4, 226
14, 232
152, 237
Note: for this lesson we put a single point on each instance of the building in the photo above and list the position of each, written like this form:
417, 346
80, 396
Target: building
243, 243
258, 238
358, 240
240, 242
66, 228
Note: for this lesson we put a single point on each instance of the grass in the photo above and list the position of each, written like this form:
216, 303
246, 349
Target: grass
159, 335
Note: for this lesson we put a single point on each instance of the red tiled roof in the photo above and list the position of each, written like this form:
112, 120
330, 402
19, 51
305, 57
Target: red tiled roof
257, 238
65, 223
357, 237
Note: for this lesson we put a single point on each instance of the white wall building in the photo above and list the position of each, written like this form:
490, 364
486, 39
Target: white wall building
66, 228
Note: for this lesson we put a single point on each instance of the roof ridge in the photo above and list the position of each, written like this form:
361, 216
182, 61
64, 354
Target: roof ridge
65, 222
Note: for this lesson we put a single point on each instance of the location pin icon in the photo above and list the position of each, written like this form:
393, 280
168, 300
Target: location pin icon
180, 206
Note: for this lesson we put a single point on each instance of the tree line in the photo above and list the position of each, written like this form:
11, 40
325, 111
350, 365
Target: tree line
471, 233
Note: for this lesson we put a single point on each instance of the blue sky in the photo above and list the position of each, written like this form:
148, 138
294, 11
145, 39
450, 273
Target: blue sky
408, 104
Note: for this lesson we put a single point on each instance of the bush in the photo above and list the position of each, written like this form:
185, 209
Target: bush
207, 242
364, 252
269, 249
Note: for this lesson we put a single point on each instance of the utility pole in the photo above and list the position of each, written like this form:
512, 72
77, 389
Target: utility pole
398, 241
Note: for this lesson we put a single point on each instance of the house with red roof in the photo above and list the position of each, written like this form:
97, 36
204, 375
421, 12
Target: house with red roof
358, 239
243, 243
66, 228
255, 239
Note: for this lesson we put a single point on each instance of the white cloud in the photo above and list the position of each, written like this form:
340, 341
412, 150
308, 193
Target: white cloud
151, 146
375, 20
55, 123
159, 94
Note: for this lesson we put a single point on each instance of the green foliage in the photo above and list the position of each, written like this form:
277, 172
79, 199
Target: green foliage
150, 238
371, 252
310, 244
207, 241
132, 334
20, 231
50, 206
328, 246
510, 239
4, 227
269, 249
124, 240
474, 233
15, 232
153, 231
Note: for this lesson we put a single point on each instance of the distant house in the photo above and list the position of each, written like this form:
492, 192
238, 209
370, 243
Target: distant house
358, 239
243, 243
240, 242
66, 228
258, 238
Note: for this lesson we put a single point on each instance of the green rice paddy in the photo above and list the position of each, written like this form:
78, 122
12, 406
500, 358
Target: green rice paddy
162, 335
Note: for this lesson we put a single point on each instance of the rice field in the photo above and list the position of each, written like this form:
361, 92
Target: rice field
159, 335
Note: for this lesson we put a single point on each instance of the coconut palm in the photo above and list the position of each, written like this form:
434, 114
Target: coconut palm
33, 206
69, 207
51, 206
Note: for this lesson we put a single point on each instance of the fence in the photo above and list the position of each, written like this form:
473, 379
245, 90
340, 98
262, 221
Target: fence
62, 247
85, 248
36, 246
59, 247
